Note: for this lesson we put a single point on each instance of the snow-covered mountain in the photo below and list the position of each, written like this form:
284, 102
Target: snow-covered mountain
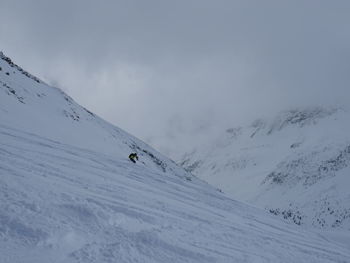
296, 165
68, 193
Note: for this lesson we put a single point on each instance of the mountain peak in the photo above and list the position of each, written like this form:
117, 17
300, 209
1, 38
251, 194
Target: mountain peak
18, 68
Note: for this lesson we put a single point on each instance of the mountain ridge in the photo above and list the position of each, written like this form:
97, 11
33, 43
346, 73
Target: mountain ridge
68, 193
272, 163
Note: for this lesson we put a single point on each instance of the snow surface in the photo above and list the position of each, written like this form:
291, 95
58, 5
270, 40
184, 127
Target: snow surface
68, 193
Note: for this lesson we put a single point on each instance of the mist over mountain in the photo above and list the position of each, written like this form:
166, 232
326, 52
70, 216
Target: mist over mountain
238, 112
295, 165
69, 193
162, 69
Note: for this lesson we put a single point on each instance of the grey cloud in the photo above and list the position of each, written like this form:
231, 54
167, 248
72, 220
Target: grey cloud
161, 69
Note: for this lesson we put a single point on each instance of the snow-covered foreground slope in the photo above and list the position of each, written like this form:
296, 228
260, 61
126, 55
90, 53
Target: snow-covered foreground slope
68, 193
61, 203
297, 165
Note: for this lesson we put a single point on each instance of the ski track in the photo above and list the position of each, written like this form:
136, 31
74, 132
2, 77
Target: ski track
62, 203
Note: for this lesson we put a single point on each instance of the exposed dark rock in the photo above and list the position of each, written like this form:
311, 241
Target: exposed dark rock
13, 65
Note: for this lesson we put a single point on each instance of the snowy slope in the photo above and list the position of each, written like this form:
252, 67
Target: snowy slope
296, 165
28, 104
68, 193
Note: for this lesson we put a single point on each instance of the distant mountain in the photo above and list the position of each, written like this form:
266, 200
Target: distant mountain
296, 165
69, 193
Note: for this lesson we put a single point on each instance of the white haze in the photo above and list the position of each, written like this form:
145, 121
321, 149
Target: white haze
165, 70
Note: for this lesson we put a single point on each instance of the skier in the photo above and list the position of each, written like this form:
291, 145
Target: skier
133, 156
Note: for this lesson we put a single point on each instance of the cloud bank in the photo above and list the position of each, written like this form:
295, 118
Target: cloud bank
167, 70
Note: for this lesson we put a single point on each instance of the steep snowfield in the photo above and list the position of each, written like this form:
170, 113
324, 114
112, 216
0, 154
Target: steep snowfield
68, 193
296, 165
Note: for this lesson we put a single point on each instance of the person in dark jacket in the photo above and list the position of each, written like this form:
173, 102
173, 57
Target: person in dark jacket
133, 157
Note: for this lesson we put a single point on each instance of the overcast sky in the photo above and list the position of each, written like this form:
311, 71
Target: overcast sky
163, 70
